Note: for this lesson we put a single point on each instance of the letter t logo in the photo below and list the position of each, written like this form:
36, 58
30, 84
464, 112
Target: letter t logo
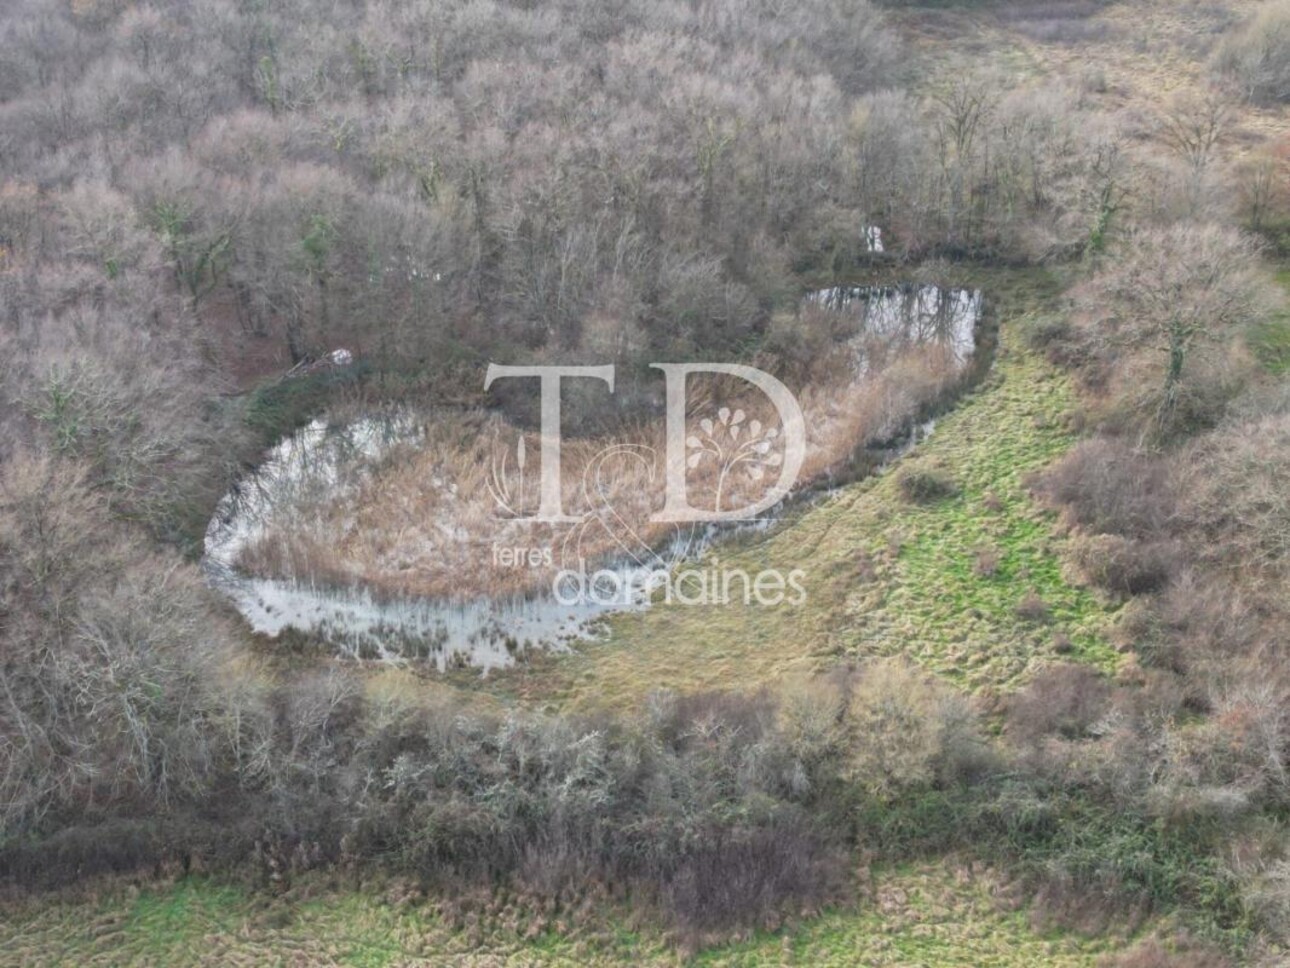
550, 504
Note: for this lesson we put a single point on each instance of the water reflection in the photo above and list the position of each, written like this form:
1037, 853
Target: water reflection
323, 460
909, 313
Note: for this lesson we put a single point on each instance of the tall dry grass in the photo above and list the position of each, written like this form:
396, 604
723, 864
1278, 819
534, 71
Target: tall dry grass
436, 519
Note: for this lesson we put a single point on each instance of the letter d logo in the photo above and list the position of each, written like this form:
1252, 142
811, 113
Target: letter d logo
677, 507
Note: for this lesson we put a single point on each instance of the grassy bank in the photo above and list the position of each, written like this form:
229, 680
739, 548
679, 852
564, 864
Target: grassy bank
971, 585
914, 915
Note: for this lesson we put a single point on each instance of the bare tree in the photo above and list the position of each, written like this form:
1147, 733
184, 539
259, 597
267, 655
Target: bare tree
1192, 125
960, 119
1257, 54
1174, 288
1261, 184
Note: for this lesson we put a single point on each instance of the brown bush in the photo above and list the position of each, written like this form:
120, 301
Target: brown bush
986, 562
1183, 953
751, 877
925, 485
1235, 496
1105, 486
1062, 700
1127, 566
1059, 340
1199, 622
1032, 608
1068, 903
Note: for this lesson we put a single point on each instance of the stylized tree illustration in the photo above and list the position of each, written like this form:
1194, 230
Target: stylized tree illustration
733, 444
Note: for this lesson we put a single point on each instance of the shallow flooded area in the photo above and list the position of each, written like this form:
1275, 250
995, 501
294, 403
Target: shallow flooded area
310, 501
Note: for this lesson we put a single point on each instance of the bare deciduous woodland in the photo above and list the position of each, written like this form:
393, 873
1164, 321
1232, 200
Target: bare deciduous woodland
202, 202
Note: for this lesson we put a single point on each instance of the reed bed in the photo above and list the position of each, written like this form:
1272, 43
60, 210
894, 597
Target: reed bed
445, 517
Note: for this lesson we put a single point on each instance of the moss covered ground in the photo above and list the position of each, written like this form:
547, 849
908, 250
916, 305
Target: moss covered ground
1269, 341
945, 915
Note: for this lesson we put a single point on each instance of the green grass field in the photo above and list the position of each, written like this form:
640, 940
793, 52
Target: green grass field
884, 576
943, 915
1270, 341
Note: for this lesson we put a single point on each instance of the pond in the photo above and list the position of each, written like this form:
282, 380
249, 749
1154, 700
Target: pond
911, 313
324, 462
324, 458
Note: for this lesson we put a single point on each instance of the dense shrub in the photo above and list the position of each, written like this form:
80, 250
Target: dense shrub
115, 701
1127, 566
748, 876
1062, 700
1269, 894
1059, 340
1106, 486
1178, 953
1235, 496
907, 732
925, 485
1257, 54
721, 810
1032, 608
1199, 626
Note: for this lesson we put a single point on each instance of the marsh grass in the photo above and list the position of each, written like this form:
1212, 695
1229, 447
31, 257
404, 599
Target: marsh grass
428, 520
921, 596
958, 913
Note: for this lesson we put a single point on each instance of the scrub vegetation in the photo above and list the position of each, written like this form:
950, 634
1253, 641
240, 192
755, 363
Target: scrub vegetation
1034, 707
957, 914
886, 576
